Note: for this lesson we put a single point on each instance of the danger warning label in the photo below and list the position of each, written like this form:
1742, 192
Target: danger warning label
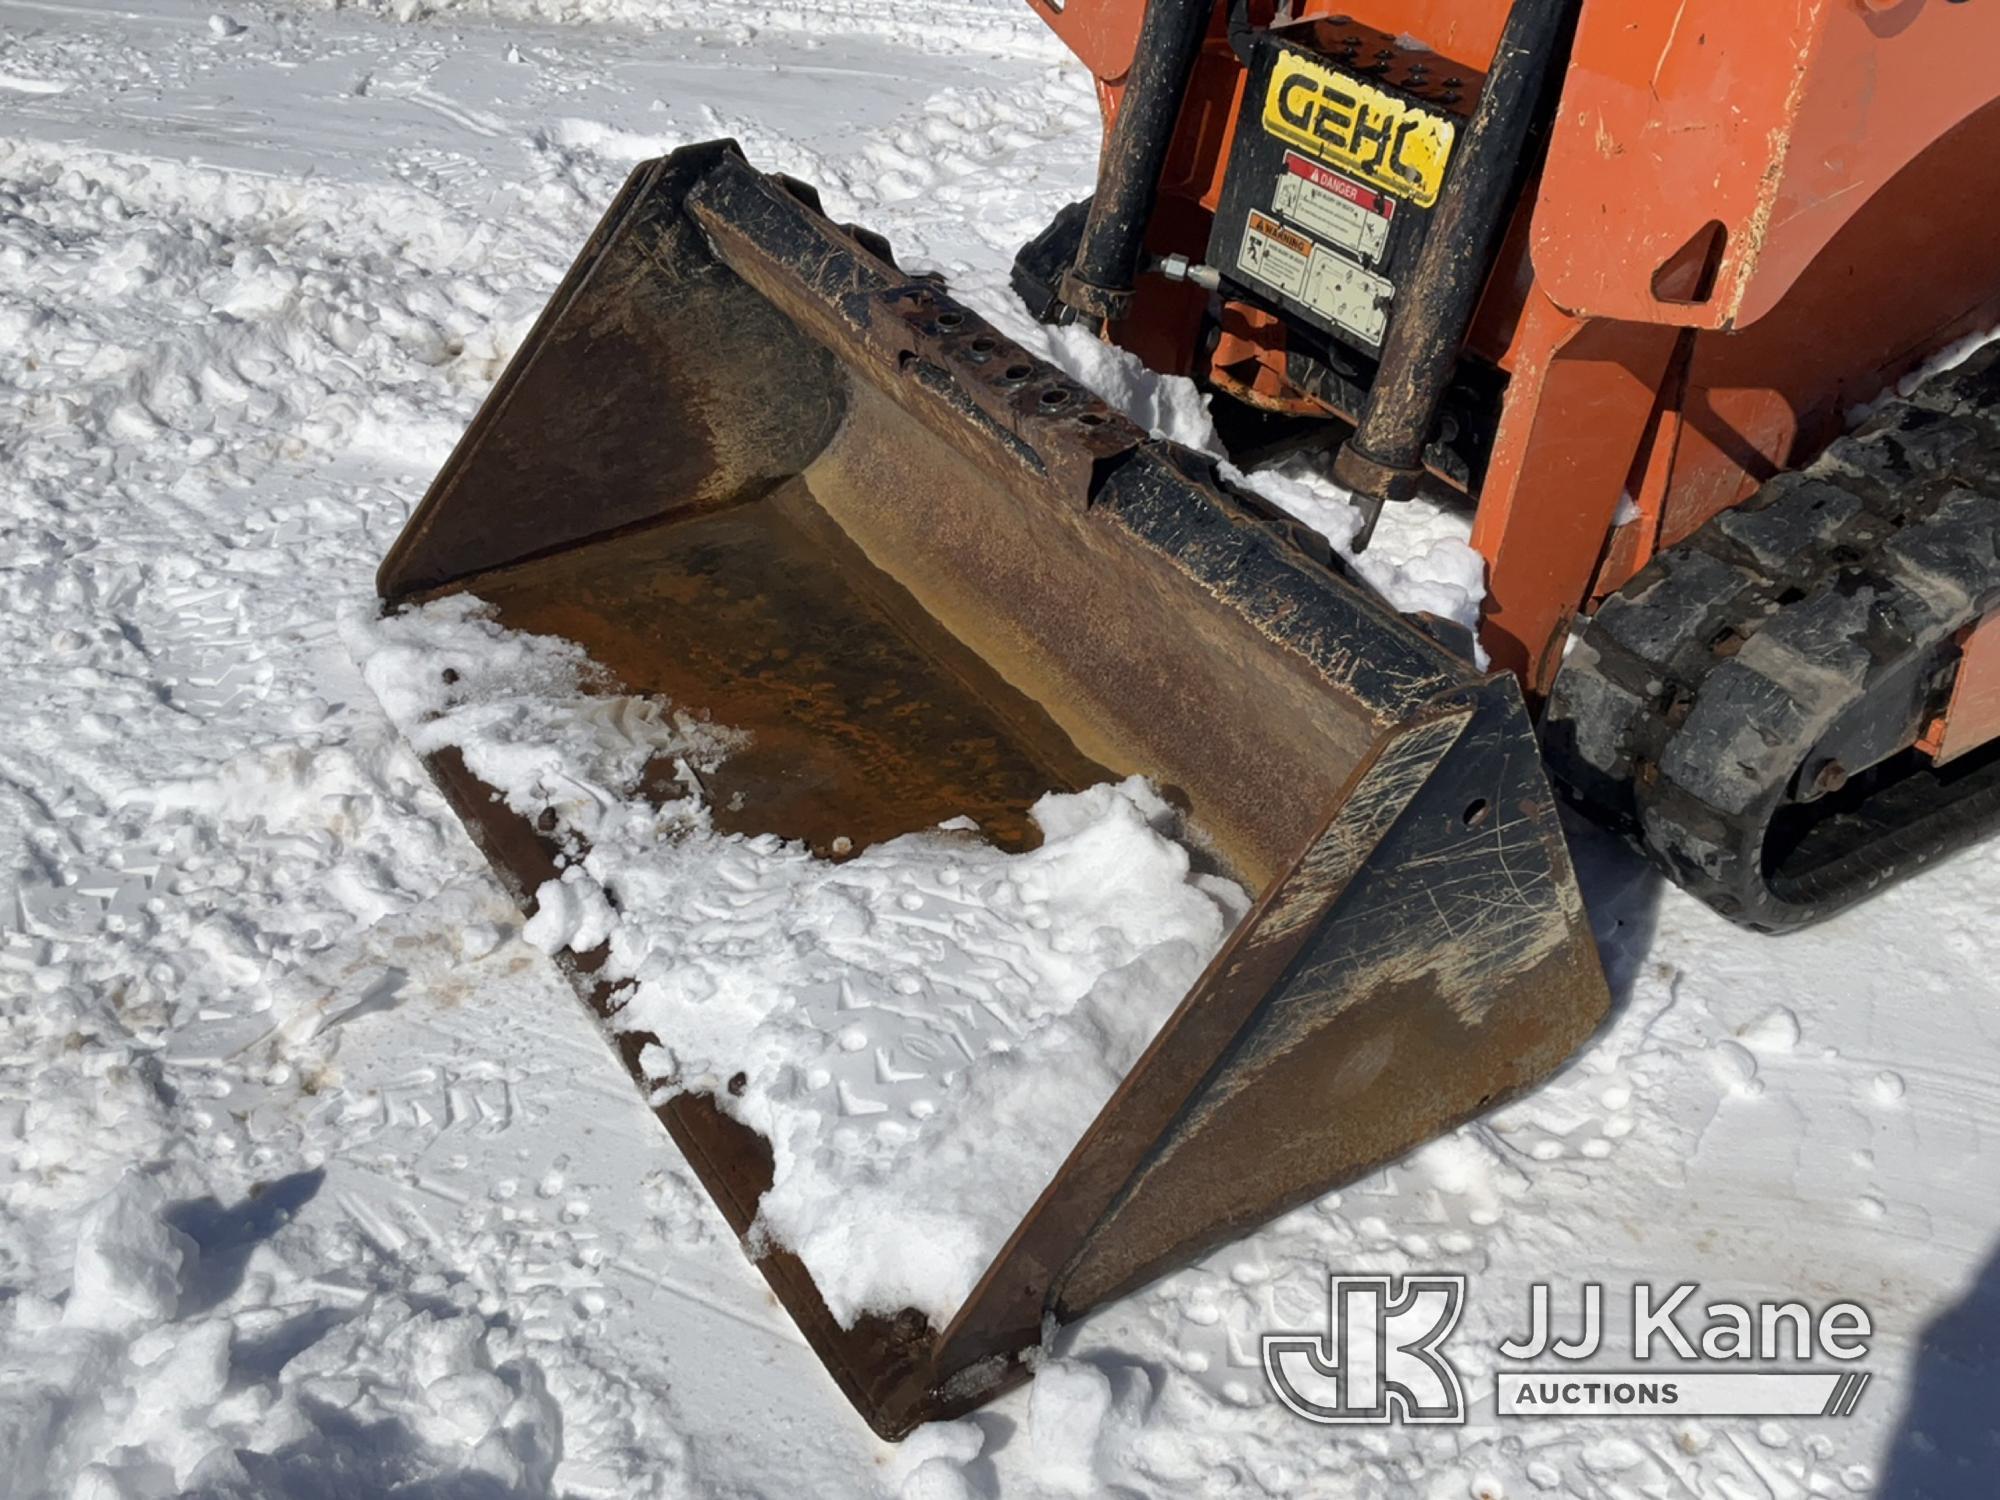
1354, 217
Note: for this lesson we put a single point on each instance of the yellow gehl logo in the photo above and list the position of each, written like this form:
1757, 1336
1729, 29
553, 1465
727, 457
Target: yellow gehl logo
1375, 136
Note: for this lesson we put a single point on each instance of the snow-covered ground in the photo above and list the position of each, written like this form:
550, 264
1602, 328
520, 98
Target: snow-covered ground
314, 1178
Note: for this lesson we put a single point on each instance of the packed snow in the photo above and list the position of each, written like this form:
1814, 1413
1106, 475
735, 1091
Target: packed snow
1423, 563
881, 1020
315, 1179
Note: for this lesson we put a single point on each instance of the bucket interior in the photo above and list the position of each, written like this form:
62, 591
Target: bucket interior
905, 638
864, 718
734, 500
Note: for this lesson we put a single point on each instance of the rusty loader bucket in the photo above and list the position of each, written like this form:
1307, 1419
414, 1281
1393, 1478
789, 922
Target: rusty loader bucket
754, 469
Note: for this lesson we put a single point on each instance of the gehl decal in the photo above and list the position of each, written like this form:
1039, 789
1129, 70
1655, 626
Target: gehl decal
1375, 136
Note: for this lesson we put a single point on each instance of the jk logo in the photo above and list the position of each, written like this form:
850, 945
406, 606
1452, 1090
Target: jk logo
1378, 1359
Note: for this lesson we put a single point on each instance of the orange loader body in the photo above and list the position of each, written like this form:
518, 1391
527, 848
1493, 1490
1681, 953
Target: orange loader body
1750, 220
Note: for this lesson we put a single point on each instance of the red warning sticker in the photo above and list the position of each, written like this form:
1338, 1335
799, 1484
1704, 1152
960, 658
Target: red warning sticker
1332, 182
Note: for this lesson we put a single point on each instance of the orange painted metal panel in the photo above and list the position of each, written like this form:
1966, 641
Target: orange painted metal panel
1103, 34
1776, 121
1573, 434
1912, 271
1972, 717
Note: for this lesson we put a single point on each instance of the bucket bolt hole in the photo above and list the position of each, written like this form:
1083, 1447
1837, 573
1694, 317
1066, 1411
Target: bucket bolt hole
1057, 396
949, 320
1475, 812
1015, 374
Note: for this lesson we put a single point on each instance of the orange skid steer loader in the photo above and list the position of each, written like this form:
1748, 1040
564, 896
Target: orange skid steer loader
1617, 270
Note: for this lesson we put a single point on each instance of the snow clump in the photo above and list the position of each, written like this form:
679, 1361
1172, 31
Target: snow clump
922, 1031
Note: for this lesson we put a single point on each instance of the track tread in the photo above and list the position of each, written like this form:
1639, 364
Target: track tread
1688, 705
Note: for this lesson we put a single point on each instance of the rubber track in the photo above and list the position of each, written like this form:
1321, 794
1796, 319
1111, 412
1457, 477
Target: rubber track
1687, 707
